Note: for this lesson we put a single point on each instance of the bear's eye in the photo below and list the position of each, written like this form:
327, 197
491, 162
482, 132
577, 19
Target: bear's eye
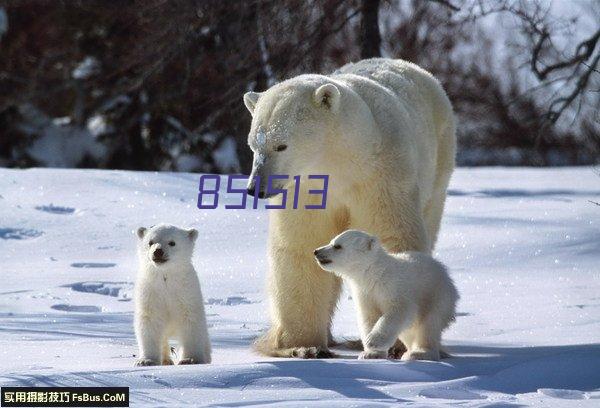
150, 243
281, 148
171, 243
337, 246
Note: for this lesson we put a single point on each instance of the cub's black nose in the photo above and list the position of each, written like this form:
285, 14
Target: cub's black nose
158, 253
316, 251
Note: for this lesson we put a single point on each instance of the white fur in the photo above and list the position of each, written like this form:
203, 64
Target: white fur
168, 299
408, 295
384, 132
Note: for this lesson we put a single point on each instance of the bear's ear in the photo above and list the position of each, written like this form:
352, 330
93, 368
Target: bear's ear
192, 234
250, 99
141, 231
328, 96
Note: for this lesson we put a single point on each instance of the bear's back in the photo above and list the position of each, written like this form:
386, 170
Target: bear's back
416, 87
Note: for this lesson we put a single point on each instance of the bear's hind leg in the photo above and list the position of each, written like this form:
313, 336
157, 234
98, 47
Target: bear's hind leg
192, 341
434, 208
426, 338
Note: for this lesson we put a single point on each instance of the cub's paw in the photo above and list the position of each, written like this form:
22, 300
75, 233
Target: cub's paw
429, 355
167, 361
312, 352
372, 355
144, 362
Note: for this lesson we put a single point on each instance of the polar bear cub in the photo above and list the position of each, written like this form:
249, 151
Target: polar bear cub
408, 295
168, 299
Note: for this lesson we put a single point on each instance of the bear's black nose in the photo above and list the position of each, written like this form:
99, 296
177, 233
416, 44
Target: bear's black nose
316, 251
252, 192
158, 253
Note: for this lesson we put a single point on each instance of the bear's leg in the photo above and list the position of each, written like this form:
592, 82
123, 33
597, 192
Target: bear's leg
368, 314
331, 342
385, 332
433, 215
192, 340
149, 334
426, 337
434, 208
302, 297
166, 353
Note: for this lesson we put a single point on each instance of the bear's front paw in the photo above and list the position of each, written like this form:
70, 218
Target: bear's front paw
167, 361
143, 362
372, 354
312, 352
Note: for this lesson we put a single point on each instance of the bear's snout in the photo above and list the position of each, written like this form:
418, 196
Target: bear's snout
252, 192
322, 259
158, 256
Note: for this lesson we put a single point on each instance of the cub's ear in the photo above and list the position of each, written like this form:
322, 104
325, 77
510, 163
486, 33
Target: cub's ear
192, 234
250, 99
327, 96
141, 231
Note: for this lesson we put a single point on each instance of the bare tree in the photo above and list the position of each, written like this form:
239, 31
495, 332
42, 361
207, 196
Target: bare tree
573, 66
370, 38
171, 73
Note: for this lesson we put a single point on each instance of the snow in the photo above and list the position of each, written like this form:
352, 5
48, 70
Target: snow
86, 68
65, 147
522, 245
58, 143
225, 156
188, 162
97, 125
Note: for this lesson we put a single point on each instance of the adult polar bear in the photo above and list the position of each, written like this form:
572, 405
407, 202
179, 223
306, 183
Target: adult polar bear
384, 132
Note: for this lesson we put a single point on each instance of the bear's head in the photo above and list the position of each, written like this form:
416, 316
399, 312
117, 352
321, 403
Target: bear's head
291, 124
165, 245
348, 254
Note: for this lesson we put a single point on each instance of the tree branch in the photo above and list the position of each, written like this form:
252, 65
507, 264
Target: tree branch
446, 3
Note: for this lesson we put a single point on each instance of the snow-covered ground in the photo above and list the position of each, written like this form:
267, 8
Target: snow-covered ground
523, 246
